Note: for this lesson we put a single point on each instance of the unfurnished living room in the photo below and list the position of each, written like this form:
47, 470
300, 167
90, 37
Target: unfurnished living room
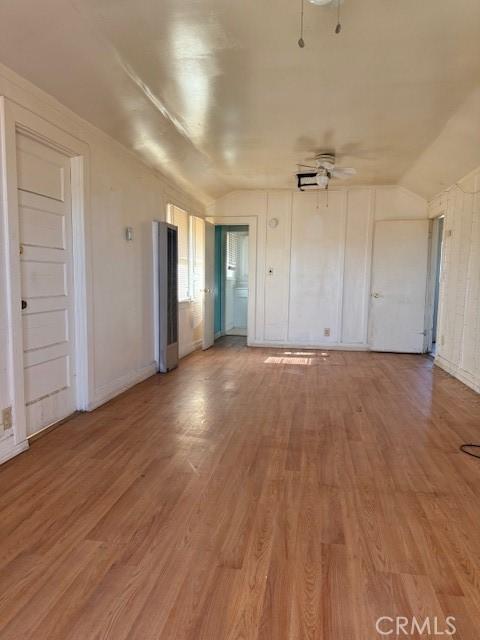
239, 319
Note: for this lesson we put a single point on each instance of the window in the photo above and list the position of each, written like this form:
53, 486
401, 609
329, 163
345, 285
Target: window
191, 240
180, 219
232, 254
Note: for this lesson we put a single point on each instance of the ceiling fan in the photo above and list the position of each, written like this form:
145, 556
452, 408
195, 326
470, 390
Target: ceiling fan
319, 176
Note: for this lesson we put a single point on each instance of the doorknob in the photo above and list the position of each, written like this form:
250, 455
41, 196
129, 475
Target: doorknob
24, 304
376, 295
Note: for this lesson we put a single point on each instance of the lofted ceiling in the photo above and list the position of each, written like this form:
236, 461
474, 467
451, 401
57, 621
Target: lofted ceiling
217, 93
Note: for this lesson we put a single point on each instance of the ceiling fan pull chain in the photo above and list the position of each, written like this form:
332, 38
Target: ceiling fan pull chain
301, 41
338, 28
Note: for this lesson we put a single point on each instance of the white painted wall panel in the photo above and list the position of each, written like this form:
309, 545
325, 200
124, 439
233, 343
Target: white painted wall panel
277, 265
316, 264
321, 259
397, 203
358, 256
459, 314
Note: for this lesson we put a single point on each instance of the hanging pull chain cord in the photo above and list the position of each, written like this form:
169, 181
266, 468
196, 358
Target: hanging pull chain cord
338, 28
301, 41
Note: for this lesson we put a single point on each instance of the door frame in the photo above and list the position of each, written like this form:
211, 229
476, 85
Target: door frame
13, 119
207, 291
251, 222
223, 279
433, 257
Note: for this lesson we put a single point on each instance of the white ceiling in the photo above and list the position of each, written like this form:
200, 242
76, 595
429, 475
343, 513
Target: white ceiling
217, 93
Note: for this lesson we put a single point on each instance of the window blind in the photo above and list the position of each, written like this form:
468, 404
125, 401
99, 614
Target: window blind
232, 254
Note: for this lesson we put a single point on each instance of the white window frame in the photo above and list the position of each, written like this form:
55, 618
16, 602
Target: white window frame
192, 293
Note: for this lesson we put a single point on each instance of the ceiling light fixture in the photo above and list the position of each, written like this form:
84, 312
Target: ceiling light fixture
320, 3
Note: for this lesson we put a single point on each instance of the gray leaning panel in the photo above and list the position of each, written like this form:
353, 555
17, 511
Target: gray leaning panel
167, 296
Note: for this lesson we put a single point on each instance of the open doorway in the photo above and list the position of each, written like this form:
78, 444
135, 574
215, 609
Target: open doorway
436, 275
231, 280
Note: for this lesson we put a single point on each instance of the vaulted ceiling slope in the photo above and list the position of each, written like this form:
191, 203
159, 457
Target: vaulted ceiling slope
218, 95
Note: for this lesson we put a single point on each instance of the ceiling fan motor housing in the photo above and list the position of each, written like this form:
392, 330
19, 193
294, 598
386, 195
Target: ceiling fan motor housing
326, 160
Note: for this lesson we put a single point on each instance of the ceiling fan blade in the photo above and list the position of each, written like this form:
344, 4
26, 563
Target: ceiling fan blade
307, 166
325, 164
343, 172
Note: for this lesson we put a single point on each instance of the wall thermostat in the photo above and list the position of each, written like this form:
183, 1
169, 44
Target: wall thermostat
273, 222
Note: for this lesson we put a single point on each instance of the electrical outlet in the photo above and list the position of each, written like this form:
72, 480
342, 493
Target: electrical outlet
326, 332
7, 418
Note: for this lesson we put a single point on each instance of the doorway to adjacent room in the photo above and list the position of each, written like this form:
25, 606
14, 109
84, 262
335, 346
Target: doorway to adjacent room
231, 280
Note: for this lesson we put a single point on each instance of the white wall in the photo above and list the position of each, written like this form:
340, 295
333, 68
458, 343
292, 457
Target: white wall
458, 337
320, 257
190, 327
122, 192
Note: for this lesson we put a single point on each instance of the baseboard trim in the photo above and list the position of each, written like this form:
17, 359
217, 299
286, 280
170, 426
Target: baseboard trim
197, 344
194, 346
51, 427
457, 372
299, 345
8, 450
115, 388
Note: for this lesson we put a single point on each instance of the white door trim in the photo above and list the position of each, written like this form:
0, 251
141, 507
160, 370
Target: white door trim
432, 279
155, 295
252, 222
13, 119
208, 302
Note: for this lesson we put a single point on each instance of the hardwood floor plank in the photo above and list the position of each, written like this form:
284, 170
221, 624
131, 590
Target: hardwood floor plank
251, 494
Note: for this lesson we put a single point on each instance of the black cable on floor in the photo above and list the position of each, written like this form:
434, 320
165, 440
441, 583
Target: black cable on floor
469, 453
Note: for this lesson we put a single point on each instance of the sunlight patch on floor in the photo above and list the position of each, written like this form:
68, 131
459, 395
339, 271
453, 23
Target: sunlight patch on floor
287, 360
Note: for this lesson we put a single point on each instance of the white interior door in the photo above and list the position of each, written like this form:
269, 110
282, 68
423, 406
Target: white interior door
44, 200
208, 295
399, 283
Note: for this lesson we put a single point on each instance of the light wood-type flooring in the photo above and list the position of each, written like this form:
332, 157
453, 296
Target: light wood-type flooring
252, 494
